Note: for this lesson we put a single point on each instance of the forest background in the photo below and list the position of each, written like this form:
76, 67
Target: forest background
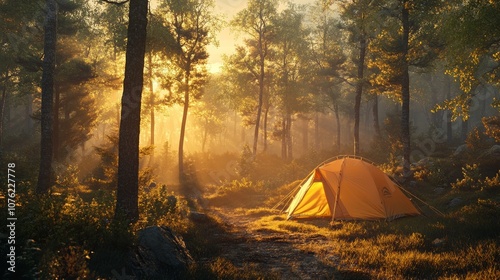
100, 102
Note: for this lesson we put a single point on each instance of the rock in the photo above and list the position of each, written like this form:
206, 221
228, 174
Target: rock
492, 152
460, 150
495, 149
455, 202
160, 254
425, 162
198, 217
439, 242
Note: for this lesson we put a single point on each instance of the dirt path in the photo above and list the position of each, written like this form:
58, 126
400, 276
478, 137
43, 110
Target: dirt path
273, 252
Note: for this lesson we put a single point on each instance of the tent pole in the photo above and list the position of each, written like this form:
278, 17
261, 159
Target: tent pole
337, 196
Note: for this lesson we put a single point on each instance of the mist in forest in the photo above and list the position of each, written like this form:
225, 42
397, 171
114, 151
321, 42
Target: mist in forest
134, 130
308, 86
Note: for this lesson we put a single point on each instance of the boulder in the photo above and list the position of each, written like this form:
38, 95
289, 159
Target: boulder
198, 217
492, 152
425, 162
460, 150
455, 202
160, 254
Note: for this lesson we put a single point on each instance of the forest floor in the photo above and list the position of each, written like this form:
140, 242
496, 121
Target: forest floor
274, 253
259, 243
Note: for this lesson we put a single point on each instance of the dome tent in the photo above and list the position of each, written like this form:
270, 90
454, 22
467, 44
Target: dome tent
350, 188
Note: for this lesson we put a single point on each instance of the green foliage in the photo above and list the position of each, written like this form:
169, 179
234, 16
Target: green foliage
67, 176
476, 141
161, 207
472, 55
439, 172
492, 126
105, 174
61, 231
69, 235
473, 180
471, 177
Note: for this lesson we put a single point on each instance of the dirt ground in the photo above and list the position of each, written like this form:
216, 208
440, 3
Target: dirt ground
274, 253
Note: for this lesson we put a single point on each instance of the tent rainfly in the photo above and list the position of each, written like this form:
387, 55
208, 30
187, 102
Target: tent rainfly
350, 188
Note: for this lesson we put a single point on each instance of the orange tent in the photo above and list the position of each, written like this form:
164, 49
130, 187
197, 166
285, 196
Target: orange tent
350, 188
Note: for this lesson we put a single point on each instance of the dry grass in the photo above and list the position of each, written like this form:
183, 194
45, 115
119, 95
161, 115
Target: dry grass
404, 249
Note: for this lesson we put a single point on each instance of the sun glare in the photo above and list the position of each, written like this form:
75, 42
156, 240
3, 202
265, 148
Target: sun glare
214, 68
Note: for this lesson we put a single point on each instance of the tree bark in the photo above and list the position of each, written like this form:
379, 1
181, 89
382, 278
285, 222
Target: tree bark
55, 124
337, 120
152, 98
359, 91
128, 146
283, 139
45, 178
2, 105
465, 130
262, 57
183, 126
316, 132
305, 135
376, 123
289, 136
259, 108
264, 137
405, 96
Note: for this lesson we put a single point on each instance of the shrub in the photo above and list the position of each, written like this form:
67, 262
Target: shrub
492, 183
161, 207
470, 180
246, 162
473, 180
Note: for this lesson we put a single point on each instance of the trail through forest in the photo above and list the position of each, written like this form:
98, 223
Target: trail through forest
271, 251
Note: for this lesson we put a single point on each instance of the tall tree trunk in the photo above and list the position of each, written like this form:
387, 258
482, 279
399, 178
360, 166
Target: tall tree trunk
305, 135
183, 126
283, 139
264, 137
128, 145
262, 57
337, 120
465, 130
359, 91
289, 136
45, 178
376, 123
56, 127
405, 96
259, 108
2, 105
316, 131
152, 98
